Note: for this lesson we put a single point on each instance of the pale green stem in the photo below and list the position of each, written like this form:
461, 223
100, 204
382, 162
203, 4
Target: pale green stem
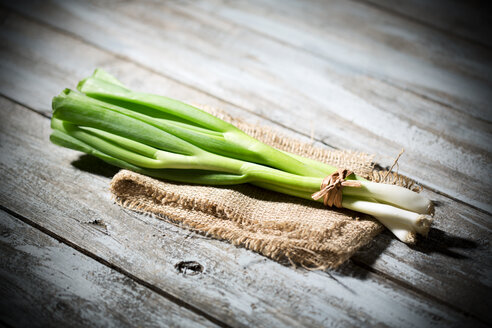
392, 194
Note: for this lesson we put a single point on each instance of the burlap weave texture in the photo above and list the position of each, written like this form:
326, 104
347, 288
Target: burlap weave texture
278, 226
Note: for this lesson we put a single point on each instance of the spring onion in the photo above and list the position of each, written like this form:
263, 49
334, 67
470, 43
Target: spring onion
168, 139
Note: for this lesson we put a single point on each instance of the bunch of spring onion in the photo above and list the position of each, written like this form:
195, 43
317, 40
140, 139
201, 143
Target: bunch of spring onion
168, 139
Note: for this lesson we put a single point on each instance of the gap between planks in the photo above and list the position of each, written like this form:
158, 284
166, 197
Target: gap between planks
380, 78
413, 289
176, 300
413, 19
118, 269
47, 283
346, 66
205, 92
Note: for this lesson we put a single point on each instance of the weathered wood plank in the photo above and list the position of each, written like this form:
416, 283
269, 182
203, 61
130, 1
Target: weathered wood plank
237, 286
375, 42
304, 91
470, 20
468, 278
45, 283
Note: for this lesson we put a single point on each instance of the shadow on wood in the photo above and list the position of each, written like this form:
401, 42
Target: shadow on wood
94, 165
441, 242
369, 253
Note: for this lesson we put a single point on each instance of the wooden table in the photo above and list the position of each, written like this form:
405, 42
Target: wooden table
363, 75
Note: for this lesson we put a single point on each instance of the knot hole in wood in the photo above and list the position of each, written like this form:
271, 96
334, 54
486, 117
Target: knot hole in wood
190, 268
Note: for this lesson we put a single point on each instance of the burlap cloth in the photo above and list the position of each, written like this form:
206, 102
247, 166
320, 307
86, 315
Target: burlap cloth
281, 227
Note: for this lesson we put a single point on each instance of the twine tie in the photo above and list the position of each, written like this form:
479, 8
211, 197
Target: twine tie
331, 188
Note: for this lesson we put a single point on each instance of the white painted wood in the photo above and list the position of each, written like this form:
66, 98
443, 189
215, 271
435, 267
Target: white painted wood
46, 283
237, 286
467, 280
305, 91
367, 40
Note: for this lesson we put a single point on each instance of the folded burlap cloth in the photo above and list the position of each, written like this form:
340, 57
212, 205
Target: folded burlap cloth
281, 227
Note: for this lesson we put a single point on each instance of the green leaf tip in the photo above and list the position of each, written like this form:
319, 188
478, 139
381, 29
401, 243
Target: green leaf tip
103, 75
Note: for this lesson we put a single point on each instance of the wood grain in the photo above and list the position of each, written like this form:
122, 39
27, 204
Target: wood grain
237, 286
45, 283
469, 20
460, 241
377, 43
438, 113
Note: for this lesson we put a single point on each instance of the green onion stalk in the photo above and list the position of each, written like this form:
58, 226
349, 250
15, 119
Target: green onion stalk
168, 139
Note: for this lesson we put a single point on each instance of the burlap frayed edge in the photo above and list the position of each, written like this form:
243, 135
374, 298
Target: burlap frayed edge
293, 255
394, 178
142, 185
323, 256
